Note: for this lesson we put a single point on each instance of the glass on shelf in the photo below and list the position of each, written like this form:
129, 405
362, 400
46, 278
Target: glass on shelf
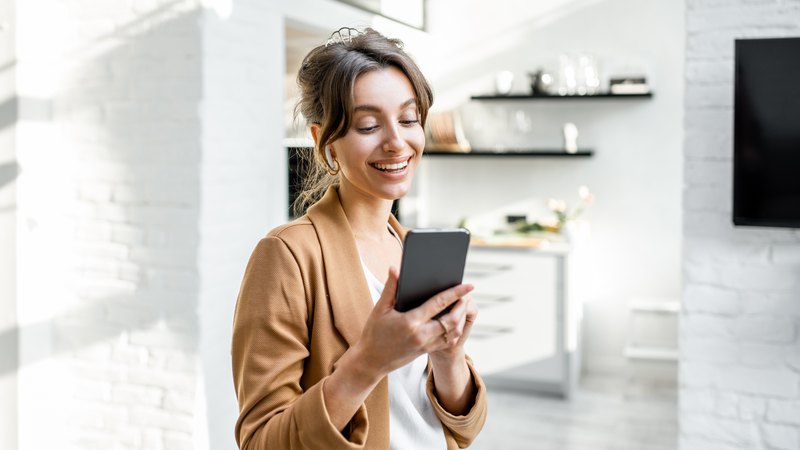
590, 80
578, 75
567, 80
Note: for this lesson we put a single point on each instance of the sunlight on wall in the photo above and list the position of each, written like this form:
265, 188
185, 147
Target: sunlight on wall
222, 8
102, 355
410, 12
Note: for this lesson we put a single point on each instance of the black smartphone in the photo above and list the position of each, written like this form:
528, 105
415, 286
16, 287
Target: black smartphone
433, 261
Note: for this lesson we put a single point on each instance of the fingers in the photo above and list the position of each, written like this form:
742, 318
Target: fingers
450, 328
440, 301
469, 319
439, 333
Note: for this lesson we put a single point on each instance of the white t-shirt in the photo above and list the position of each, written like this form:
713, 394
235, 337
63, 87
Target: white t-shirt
412, 423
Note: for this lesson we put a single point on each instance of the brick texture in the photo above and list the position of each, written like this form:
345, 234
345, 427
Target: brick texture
147, 175
740, 327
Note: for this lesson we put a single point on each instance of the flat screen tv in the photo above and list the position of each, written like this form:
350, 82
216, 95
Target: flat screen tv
766, 137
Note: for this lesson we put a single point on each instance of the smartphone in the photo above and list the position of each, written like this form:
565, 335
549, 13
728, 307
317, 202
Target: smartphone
433, 261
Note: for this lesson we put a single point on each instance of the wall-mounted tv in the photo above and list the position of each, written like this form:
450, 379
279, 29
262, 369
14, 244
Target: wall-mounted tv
766, 136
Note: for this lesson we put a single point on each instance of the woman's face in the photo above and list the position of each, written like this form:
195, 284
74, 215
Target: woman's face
384, 144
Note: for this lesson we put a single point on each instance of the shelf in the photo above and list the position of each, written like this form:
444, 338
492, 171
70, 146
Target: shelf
511, 153
559, 97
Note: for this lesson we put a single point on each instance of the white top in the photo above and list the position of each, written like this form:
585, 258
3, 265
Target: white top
412, 423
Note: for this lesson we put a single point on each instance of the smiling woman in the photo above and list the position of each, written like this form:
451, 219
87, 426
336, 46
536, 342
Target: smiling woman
379, 156
332, 101
321, 358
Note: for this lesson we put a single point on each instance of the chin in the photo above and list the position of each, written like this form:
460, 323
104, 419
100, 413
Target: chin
393, 191
396, 194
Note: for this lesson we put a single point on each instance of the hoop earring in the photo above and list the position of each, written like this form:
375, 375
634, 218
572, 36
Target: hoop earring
333, 165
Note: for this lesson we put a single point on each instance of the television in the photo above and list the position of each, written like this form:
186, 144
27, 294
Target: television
766, 132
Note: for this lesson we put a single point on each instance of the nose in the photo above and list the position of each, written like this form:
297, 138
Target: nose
392, 140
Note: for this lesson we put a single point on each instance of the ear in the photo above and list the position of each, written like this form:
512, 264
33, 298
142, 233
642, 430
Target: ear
315, 129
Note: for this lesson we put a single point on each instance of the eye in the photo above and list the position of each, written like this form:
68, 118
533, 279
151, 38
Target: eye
367, 130
409, 121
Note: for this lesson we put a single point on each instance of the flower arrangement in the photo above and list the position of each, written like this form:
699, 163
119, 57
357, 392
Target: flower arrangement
563, 214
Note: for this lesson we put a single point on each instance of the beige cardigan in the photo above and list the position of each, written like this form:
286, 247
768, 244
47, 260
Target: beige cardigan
303, 302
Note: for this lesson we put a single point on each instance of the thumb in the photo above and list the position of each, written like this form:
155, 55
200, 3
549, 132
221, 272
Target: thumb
389, 294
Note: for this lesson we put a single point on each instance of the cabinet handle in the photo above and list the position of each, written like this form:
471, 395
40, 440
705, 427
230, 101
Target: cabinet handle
482, 270
488, 300
489, 331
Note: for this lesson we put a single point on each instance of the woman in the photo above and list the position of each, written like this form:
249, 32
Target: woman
321, 359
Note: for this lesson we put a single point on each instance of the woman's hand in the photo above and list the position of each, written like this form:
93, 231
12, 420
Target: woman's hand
458, 323
392, 339
452, 379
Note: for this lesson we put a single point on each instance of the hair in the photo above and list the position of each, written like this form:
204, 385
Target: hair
326, 80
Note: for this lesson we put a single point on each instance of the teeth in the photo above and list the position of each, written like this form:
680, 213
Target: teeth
397, 166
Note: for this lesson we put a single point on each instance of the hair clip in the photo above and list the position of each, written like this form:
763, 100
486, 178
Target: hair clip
343, 35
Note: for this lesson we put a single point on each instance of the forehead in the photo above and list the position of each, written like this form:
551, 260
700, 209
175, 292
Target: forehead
386, 88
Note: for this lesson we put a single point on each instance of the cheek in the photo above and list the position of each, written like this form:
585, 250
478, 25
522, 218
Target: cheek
417, 138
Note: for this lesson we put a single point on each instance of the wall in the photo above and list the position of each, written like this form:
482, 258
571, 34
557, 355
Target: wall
144, 185
740, 330
109, 149
634, 249
8, 230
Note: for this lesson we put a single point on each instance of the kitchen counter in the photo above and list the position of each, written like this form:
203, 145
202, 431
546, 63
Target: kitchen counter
523, 242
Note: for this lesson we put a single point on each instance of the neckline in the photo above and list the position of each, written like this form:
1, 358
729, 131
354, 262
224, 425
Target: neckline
367, 271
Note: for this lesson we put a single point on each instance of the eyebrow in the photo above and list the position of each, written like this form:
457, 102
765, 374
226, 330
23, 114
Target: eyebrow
372, 108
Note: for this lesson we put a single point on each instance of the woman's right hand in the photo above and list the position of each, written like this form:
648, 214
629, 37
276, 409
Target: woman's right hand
392, 339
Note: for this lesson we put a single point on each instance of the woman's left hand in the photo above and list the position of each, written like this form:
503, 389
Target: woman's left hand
452, 379
458, 323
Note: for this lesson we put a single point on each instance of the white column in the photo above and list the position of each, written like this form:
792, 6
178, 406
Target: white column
242, 184
8, 230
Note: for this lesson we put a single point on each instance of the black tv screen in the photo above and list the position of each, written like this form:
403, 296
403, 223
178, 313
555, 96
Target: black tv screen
766, 137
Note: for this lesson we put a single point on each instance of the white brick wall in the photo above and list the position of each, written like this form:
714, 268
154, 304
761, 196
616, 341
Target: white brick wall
740, 326
109, 211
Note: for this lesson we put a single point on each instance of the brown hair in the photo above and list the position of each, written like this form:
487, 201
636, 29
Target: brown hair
326, 80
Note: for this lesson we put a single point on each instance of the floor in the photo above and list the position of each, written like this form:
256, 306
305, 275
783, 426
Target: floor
606, 414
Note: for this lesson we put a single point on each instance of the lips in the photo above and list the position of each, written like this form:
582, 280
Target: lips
391, 167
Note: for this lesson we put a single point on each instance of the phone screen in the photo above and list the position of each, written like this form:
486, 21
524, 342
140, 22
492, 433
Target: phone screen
433, 261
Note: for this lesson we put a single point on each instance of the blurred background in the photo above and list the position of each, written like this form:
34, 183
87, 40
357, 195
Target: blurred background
146, 146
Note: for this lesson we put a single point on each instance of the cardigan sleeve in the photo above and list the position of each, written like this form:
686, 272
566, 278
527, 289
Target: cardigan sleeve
269, 348
464, 429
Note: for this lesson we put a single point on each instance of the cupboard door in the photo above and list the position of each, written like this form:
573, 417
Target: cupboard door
516, 291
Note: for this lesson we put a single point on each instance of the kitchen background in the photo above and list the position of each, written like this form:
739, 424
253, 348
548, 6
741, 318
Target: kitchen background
142, 156
635, 171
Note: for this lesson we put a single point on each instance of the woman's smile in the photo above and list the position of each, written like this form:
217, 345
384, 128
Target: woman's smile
380, 152
395, 166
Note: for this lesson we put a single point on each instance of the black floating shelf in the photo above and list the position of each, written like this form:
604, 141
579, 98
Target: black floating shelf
558, 97
511, 153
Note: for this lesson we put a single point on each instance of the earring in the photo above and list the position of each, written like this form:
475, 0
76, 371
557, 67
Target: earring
333, 165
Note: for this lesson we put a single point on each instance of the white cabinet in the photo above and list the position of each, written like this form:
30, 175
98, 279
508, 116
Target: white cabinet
525, 335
